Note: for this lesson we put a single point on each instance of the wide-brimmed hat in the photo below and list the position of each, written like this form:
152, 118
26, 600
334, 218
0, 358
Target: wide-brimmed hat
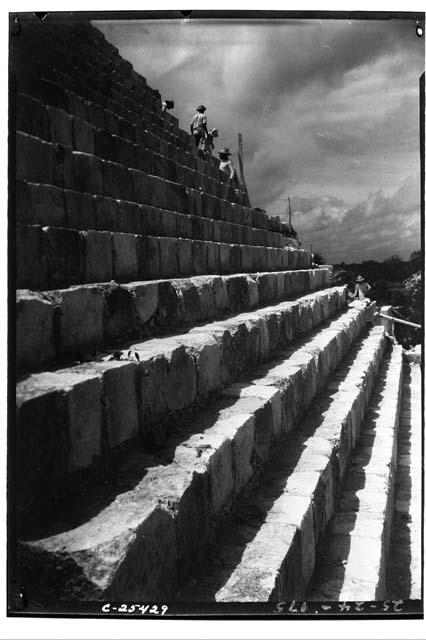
360, 279
225, 152
200, 108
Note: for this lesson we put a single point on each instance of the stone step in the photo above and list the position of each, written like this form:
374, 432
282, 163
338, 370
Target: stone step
82, 413
85, 172
58, 127
353, 555
77, 126
152, 531
52, 257
47, 163
51, 328
46, 205
51, 85
404, 565
267, 550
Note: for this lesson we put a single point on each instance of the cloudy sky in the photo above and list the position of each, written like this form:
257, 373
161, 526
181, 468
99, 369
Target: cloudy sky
328, 109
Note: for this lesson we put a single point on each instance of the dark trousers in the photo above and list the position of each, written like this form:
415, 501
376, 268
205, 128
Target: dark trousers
198, 136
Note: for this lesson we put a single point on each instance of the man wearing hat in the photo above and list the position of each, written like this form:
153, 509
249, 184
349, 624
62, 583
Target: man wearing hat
226, 164
361, 289
199, 124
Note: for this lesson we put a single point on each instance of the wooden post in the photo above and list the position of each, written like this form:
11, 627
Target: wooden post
241, 163
289, 211
240, 160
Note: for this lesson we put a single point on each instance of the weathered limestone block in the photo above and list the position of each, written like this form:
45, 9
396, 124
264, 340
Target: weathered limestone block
60, 125
199, 256
158, 192
168, 224
195, 202
144, 530
281, 285
34, 159
260, 259
275, 541
124, 152
80, 211
298, 511
119, 393
144, 159
141, 186
31, 116
183, 226
217, 230
292, 258
29, 252
35, 340
184, 257
213, 257
88, 173
235, 256
224, 258
264, 403
284, 259
206, 294
83, 136
40, 204
168, 257
207, 354
104, 144
58, 416
63, 166
176, 197
149, 252
120, 318
253, 292
125, 261
210, 206
152, 220
106, 211
267, 287
189, 304
117, 181
62, 249
130, 218
168, 382
217, 464
237, 289
221, 295
80, 320
247, 258
145, 296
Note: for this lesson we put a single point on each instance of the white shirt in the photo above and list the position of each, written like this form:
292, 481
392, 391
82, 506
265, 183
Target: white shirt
199, 121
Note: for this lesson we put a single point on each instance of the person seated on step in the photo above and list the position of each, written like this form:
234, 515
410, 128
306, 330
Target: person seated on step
227, 166
199, 125
361, 289
207, 145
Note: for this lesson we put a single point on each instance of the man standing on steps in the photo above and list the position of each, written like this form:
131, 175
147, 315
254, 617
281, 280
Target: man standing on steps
199, 125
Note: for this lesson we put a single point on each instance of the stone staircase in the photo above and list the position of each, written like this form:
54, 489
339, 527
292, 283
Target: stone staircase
190, 390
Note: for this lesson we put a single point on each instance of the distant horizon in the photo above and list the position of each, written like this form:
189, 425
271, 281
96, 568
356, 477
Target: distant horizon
328, 110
